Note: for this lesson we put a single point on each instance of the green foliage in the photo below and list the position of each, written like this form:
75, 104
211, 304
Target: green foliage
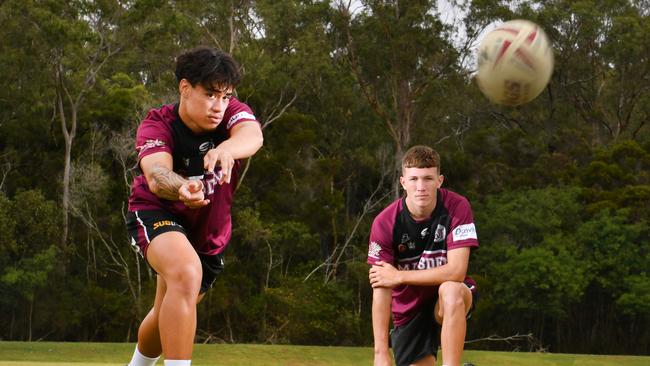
312, 312
560, 187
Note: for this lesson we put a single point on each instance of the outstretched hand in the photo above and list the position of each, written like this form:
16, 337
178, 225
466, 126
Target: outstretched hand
191, 194
383, 274
222, 158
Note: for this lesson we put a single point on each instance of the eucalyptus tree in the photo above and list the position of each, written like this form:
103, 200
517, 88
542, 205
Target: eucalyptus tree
396, 51
75, 40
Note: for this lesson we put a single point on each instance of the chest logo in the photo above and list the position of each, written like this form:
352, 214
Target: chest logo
204, 147
441, 234
424, 232
405, 238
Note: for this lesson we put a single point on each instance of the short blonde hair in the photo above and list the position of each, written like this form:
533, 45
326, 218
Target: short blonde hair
421, 156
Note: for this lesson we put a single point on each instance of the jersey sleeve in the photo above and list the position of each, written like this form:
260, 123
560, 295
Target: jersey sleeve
154, 135
238, 112
381, 241
462, 230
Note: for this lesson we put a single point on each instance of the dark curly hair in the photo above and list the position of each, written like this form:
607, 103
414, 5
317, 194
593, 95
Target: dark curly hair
209, 67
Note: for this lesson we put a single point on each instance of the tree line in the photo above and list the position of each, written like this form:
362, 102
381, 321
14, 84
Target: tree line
560, 187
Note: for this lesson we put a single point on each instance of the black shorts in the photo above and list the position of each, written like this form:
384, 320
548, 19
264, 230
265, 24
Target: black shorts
143, 226
420, 337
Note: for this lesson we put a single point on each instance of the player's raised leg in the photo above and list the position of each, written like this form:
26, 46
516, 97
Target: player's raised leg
454, 302
174, 259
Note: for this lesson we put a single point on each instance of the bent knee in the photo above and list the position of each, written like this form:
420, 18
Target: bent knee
185, 280
452, 296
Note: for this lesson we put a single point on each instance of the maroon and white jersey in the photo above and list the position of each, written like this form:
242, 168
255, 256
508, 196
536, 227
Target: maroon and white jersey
407, 244
209, 227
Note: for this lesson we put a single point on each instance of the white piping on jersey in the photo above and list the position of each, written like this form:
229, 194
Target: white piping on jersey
439, 251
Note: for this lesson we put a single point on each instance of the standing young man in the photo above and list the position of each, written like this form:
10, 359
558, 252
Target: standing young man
179, 209
419, 251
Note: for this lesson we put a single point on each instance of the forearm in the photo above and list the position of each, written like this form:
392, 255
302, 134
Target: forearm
244, 142
432, 276
164, 183
454, 270
381, 302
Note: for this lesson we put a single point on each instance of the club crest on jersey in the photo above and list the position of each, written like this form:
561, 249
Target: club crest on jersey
401, 248
441, 234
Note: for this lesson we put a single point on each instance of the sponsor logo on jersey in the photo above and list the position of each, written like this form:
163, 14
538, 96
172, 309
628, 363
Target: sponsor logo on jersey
401, 248
405, 238
374, 249
464, 232
423, 263
424, 232
204, 147
240, 116
411, 245
441, 234
159, 224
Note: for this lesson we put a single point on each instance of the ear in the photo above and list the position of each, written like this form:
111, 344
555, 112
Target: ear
441, 179
184, 87
401, 181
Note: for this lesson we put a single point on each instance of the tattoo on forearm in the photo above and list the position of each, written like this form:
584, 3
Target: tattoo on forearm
167, 182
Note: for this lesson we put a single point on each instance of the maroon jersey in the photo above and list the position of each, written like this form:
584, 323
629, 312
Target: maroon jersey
407, 244
209, 227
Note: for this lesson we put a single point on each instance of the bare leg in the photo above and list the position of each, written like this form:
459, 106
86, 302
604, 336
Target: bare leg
454, 301
426, 361
148, 334
178, 265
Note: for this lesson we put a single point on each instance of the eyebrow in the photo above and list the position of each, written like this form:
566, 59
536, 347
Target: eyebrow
219, 90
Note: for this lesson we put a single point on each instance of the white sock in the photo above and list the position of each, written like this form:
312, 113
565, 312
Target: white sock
139, 359
178, 362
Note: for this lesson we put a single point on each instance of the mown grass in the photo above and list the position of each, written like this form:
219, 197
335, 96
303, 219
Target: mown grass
117, 354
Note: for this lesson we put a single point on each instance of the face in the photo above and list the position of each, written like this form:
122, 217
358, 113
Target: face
421, 185
203, 108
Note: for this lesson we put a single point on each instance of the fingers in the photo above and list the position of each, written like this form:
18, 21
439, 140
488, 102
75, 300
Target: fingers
191, 194
226, 168
222, 158
374, 277
195, 186
196, 204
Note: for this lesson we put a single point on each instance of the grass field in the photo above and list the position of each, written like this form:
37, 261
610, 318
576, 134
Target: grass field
117, 354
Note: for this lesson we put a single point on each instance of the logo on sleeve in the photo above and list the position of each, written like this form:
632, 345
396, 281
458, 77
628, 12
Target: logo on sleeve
240, 116
464, 232
374, 250
149, 144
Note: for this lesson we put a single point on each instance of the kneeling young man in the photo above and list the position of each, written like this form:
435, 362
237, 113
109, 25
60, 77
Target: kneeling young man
419, 252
